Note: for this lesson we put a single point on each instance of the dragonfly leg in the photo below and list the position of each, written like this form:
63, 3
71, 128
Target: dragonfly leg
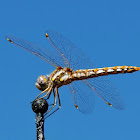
43, 92
49, 96
46, 93
59, 100
57, 94
55, 101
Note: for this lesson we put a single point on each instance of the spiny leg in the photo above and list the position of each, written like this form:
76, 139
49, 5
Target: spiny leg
55, 101
59, 99
46, 93
43, 92
57, 108
51, 113
54, 97
49, 96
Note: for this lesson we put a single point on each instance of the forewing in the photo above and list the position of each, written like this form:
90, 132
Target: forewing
82, 97
42, 52
106, 91
71, 55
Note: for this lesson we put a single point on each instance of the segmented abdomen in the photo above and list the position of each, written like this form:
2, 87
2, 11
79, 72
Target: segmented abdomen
90, 73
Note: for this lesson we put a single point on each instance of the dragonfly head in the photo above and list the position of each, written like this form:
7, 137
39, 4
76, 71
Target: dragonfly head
42, 82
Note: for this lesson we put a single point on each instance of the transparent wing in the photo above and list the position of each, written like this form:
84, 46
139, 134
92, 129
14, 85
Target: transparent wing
76, 59
106, 91
72, 56
42, 52
82, 97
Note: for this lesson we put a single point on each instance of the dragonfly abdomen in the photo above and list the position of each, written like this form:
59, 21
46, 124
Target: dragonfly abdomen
90, 73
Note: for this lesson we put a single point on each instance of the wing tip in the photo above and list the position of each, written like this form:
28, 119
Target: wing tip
109, 104
76, 106
121, 107
9, 40
47, 35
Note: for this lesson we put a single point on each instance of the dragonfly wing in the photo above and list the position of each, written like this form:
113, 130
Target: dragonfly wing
106, 91
72, 56
42, 52
82, 97
76, 59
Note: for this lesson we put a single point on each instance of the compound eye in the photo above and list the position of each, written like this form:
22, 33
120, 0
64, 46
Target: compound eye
42, 80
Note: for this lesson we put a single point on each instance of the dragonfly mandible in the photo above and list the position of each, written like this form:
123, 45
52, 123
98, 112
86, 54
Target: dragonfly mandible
73, 68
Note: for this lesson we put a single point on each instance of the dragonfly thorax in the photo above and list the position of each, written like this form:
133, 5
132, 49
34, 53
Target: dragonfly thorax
61, 77
42, 82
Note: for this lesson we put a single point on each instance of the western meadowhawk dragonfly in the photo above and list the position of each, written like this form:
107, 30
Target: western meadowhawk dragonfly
74, 69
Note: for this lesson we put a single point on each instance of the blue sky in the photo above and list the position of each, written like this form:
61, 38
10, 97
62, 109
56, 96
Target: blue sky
107, 31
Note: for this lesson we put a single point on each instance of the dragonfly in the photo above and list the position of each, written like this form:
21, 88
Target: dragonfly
74, 69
